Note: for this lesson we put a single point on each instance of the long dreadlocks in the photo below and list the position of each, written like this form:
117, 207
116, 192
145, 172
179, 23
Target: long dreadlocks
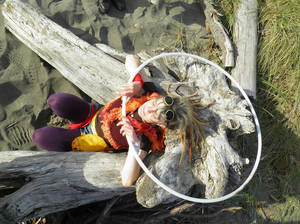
186, 118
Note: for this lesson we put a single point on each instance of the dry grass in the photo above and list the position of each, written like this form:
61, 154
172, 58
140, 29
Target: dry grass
35, 221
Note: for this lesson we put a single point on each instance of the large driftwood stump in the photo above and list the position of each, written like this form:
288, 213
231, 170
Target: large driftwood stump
210, 167
55, 182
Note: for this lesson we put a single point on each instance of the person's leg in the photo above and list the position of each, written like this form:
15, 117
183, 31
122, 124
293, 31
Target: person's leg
69, 107
55, 139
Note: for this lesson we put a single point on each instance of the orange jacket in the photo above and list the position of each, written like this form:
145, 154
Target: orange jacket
110, 115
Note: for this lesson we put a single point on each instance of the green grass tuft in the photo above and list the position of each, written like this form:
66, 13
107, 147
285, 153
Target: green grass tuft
279, 59
228, 10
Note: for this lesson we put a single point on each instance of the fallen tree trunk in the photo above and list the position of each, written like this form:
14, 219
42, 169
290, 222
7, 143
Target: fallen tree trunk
55, 182
52, 182
83, 64
245, 38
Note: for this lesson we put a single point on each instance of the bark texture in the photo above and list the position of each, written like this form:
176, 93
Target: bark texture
52, 182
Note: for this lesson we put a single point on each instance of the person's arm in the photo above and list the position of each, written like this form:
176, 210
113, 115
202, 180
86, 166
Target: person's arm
132, 62
131, 169
140, 84
131, 165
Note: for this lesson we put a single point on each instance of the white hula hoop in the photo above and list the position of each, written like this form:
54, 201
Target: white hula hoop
165, 187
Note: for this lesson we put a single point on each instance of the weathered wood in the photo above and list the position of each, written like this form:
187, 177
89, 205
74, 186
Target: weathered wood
211, 166
245, 39
57, 181
218, 31
112, 52
94, 72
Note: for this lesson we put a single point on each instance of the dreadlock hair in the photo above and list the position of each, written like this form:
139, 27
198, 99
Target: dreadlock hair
186, 110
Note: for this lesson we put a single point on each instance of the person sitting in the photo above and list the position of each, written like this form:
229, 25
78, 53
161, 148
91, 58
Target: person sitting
96, 127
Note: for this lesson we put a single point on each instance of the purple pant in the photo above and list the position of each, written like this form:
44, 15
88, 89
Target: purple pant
69, 107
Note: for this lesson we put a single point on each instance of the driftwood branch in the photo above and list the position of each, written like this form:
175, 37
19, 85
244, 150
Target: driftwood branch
83, 64
54, 182
245, 39
218, 31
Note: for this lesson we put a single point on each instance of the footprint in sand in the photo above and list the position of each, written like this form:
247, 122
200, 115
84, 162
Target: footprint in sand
27, 65
18, 134
17, 131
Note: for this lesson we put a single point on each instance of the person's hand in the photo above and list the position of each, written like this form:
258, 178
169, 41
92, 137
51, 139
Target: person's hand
104, 5
128, 130
130, 89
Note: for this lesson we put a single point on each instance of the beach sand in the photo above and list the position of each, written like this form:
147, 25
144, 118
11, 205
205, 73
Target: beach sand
26, 81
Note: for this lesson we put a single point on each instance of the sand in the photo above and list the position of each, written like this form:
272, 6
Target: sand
26, 81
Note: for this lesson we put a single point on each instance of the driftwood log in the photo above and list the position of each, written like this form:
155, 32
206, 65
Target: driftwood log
65, 51
219, 32
50, 182
245, 39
